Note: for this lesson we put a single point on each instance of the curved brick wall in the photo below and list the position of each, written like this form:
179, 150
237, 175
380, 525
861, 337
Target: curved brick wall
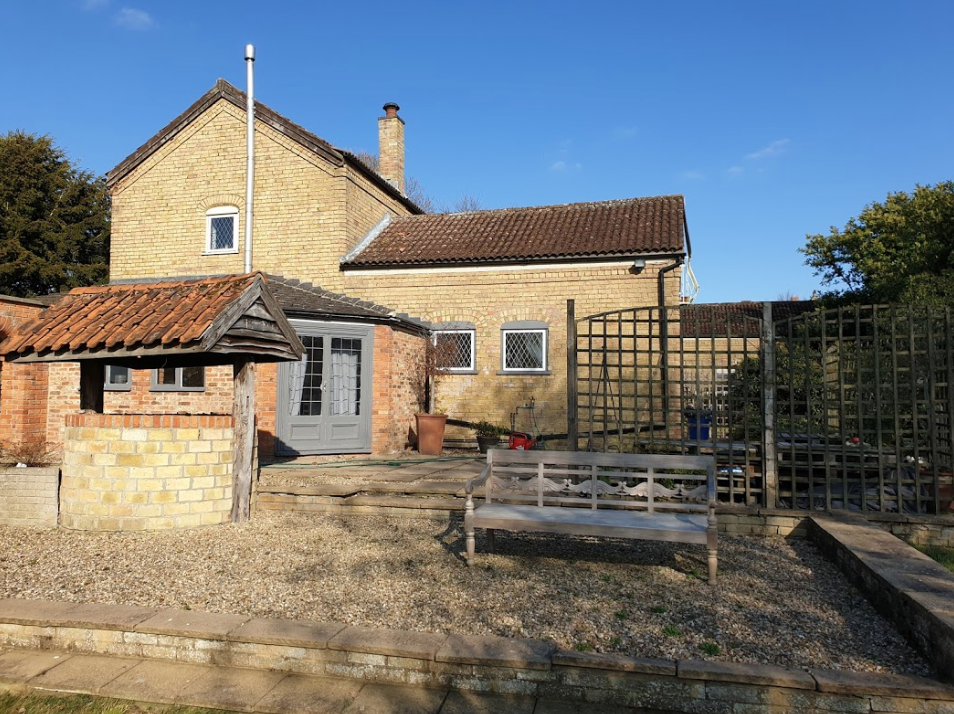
145, 471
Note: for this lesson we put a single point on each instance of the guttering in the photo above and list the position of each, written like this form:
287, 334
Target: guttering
576, 261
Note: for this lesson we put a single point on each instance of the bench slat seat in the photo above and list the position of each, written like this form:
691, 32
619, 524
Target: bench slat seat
640, 496
675, 527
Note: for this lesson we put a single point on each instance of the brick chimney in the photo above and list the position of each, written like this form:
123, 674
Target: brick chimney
391, 146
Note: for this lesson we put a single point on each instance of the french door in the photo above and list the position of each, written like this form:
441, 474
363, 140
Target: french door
324, 399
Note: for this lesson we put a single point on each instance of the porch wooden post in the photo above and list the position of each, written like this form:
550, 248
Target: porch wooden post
92, 376
243, 413
769, 437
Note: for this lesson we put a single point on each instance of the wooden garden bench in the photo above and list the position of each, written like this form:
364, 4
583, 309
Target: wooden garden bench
641, 496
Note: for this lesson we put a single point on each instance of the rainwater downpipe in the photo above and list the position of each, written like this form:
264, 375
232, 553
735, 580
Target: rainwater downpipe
664, 332
250, 154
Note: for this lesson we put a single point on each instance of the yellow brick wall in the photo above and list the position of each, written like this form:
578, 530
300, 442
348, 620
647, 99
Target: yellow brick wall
308, 212
491, 298
145, 472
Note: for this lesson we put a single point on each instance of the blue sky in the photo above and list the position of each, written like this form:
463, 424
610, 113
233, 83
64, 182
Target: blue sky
774, 119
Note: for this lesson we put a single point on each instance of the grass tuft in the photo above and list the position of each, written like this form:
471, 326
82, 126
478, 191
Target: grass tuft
944, 556
85, 704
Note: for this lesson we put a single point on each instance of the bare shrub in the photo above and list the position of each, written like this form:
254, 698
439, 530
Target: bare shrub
32, 452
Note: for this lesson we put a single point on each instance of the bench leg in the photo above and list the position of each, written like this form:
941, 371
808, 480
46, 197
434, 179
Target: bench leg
471, 542
713, 566
490, 540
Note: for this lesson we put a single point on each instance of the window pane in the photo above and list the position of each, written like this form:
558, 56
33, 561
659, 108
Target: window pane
223, 233
117, 375
345, 376
310, 375
523, 350
193, 376
454, 349
166, 375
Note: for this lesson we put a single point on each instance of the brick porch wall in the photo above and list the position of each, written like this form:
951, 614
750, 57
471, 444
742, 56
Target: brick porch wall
146, 472
23, 387
397, 357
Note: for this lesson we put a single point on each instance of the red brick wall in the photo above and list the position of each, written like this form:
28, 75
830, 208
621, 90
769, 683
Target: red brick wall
397, 358
23, 387
216, 399
64, 396
266, 394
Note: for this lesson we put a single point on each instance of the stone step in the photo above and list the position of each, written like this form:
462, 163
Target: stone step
312, 500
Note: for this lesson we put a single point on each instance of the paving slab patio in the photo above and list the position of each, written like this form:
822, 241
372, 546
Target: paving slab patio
85, 674
239, 689
17, 666
305, 694
230, 688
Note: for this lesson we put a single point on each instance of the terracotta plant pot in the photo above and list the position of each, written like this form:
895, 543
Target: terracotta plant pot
430, 433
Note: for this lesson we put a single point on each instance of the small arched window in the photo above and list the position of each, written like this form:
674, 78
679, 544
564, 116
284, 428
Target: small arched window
221, 230
524, 346
455, 345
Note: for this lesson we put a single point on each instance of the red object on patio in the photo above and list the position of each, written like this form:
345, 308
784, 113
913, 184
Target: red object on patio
519, 441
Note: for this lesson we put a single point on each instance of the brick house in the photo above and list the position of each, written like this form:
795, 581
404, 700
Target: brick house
493, 284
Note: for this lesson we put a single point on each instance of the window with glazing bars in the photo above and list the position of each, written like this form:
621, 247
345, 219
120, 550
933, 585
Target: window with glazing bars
455, 350
345, 376
525, 350
221, 226
178, 379
309, 401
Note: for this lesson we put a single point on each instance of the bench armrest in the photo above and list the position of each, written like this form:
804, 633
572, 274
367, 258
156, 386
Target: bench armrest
471, 483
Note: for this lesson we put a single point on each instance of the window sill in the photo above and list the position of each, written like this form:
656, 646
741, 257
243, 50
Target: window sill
177, 389
452, 372
234, 251
524, 373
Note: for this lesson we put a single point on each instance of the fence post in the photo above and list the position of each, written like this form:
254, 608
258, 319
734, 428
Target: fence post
572, 396
769, 442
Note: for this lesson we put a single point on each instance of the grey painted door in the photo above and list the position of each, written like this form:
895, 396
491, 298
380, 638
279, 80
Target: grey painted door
324, 400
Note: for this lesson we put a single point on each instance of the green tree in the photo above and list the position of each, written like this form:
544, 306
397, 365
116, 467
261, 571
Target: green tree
54, 219
900, 251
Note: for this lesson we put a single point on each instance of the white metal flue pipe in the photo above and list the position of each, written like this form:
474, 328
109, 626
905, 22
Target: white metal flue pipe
250, 153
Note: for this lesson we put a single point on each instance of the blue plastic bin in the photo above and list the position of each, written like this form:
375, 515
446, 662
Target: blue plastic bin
699, 427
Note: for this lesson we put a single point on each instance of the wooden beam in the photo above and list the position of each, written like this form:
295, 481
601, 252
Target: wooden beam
92, 377
243, 413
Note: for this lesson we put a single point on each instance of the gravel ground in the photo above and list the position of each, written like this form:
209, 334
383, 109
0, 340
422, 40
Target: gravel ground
777, 601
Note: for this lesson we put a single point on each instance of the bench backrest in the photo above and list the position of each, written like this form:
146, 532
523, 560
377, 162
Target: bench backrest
641, 481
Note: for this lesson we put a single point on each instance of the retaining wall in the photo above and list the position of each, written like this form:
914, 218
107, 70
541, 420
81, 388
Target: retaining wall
29, 496
907, 587
146, 471
486, 664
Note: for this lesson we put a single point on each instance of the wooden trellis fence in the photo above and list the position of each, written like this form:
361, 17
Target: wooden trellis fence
846, 408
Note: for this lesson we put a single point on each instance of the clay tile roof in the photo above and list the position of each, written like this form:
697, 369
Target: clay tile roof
606, 229
119, 319
736, 319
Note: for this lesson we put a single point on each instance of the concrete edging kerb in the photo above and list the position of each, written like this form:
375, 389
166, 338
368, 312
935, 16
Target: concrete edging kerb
477, 663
